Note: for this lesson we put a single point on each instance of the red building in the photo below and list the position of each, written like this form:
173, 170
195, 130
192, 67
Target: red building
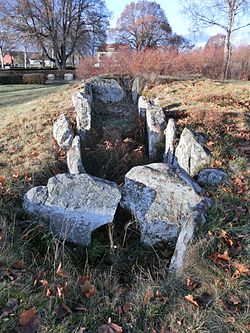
8, 59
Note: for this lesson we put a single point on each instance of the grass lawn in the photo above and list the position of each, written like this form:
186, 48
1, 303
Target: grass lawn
38, 271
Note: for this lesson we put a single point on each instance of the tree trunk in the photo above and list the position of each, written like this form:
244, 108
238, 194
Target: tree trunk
227, 48
25, 57
1, 58
227, 56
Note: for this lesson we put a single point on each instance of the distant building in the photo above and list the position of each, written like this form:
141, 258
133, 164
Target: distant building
8, 59
109, 50
30, 59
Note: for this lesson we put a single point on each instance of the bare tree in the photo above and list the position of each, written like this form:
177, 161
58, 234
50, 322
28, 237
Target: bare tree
216, 42
142, 24
225, 14
7, 42
61, 25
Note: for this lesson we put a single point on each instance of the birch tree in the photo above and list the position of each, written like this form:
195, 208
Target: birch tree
228, 15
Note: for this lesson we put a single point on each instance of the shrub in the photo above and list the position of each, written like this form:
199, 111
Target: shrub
240, 68
34, 78
207, 61
11, 79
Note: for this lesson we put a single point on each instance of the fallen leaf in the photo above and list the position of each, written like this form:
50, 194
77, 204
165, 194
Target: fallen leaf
60, 272
27, 316
86, 287
44, 283
190, 298
180, 322
62, 311
224, 256
234, 299
230, 320
149, 294
2, 180
15, 174
243, 269
221, 259
191, 284
227, 239
110, 328
32, 327
19, 265
125, 308
49, 292
60, 291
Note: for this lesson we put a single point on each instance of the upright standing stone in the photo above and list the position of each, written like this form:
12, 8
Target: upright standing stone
137, 88
170, 138
74, 157
143, 105
82, 103
190, 154
156, 124
63, 132
191, 224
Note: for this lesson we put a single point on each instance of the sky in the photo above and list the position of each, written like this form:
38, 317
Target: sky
177, 21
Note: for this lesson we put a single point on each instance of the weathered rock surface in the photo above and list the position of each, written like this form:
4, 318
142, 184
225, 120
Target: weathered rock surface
143, 105
63, 132
170, 138
188, 232
82, 103
156, 124
161, 198
190, 154
212, 177
68, 77
137, 88
74, 205
74, 158
51, 77
107, 90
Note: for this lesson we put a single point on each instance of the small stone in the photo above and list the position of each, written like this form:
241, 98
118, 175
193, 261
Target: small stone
63, 132
212, 177
74, 157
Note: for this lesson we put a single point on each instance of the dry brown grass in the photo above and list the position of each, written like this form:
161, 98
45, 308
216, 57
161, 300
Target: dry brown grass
27, 147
